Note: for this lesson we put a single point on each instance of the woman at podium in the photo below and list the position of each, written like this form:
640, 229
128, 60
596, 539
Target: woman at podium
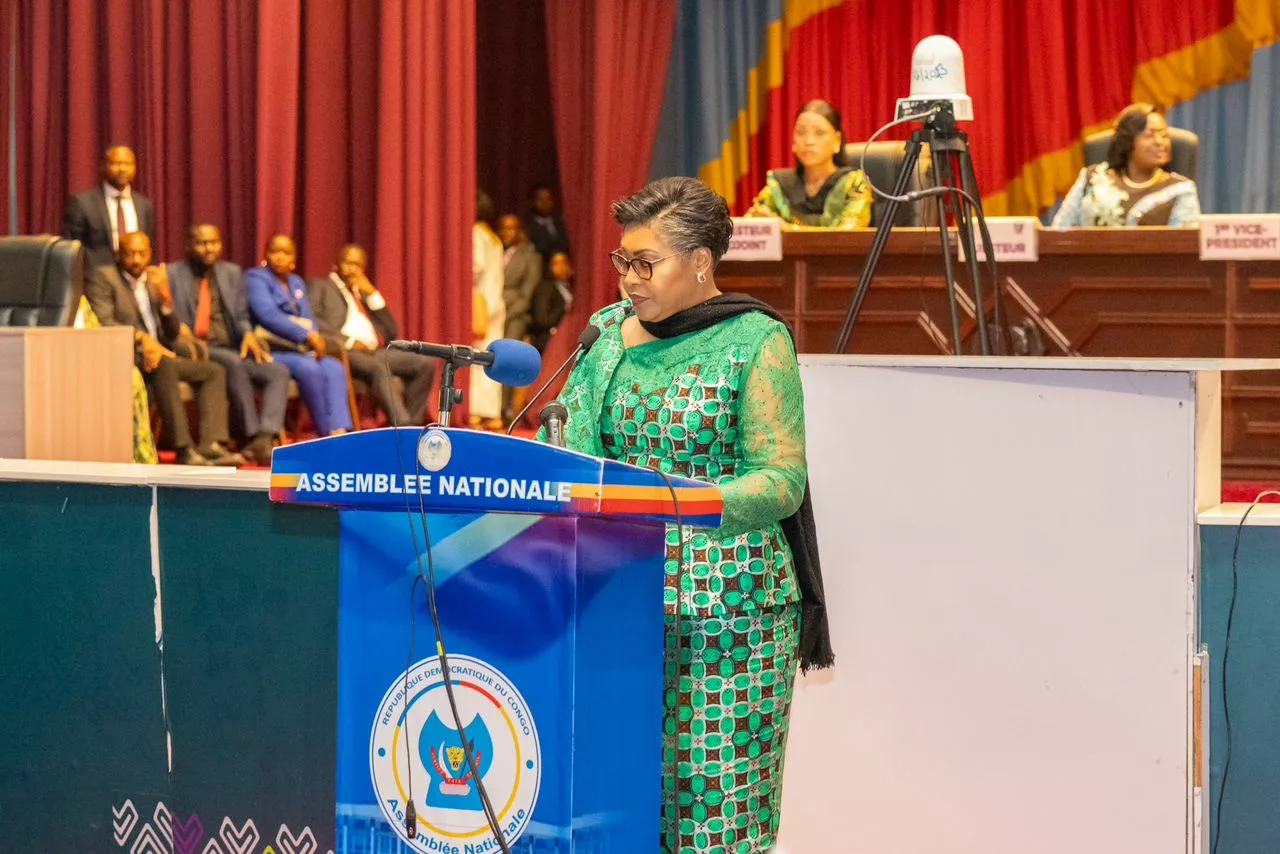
692, 382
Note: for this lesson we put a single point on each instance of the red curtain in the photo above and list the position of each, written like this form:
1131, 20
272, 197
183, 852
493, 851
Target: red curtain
7, 9
424, 174
1038, 72
338, 121
515, 127
608, 65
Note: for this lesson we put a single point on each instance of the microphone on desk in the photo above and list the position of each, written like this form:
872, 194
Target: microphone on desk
552, 417
506, 361
588, 338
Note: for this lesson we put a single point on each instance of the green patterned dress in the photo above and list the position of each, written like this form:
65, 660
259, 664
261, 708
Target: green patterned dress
722, 405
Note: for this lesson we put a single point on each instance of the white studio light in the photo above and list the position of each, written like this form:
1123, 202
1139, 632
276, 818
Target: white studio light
937, 77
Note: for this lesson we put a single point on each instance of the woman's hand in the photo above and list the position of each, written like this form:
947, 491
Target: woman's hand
318, 348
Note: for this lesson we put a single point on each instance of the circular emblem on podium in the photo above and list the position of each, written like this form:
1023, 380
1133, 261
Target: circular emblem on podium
434, 450
414, 733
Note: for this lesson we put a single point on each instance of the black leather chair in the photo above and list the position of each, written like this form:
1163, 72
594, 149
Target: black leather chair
41, 280
1184, 151
884, 161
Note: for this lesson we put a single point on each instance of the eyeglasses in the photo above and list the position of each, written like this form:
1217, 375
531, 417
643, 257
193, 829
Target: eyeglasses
642, 266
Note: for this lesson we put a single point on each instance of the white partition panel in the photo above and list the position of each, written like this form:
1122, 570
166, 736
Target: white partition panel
1008, 556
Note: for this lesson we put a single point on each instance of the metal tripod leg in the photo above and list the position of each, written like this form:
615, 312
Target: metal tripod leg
943, 178
882, 237
970, 180
964, 231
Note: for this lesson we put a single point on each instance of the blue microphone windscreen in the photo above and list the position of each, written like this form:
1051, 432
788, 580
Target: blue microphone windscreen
515, 363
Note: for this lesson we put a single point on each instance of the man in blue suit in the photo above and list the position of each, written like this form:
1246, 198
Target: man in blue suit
209, 297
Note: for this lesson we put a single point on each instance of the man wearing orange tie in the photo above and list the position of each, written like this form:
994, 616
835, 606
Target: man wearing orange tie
209, 298
350, 309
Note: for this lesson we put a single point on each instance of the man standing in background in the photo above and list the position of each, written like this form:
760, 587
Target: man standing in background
522, 271
546, 228
98, 217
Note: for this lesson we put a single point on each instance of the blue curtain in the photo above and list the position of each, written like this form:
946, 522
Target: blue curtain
717, 42
1239, 126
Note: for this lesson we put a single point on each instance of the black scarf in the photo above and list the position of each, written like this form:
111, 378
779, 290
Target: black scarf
799, 528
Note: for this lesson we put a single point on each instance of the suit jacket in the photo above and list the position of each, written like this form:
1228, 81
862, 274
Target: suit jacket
112, 301
85, 218
520, 279
274, 308
547, 308
543, 240
229, 280
330, 308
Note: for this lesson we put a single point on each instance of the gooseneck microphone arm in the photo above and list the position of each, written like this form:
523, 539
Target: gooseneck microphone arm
585, 342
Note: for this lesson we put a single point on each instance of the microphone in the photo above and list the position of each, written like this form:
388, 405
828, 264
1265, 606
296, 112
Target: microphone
937, 79
585, 342
553, 416
506, 361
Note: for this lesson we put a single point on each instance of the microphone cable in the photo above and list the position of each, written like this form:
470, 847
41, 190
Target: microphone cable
428, 580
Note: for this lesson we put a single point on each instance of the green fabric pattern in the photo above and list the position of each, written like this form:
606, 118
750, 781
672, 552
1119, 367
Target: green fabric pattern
726, 716
848, 205
724, 406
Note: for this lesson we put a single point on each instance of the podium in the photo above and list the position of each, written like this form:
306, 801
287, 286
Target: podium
548, 571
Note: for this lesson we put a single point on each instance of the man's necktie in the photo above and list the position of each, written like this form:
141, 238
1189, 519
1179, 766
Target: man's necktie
121, 228
204, 309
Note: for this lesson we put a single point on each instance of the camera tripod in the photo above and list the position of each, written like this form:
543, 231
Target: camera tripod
955, 192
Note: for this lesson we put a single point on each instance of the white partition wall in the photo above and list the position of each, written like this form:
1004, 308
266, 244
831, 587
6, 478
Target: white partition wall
1009, 551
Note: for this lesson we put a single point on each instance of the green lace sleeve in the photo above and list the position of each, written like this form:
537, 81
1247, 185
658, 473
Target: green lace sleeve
771, 479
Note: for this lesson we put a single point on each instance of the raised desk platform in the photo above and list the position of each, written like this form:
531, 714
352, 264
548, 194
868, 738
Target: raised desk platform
1112, 292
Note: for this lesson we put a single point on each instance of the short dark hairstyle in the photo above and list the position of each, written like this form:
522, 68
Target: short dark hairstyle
485, 210
1131, 122
688, 213
831, 114
196, 226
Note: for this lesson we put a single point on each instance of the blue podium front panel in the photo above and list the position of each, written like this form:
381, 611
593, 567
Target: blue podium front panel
557, 676
548, 571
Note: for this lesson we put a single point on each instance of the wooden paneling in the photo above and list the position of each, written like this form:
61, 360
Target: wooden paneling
72, 390
1112, 292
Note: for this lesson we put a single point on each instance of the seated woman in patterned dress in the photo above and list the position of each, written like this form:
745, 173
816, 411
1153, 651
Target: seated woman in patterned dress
1132, 186
822, 190
692, 382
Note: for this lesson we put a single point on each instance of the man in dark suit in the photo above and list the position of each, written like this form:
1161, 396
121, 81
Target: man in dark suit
350, 309
131, 292
97, 217
522, 271
551, 301
209, 297
545, 226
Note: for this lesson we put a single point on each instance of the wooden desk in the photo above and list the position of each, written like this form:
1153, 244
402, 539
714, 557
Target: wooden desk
1111, 292
66, 394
